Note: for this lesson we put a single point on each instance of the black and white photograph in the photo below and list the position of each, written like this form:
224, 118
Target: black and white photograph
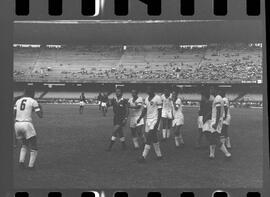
138, 104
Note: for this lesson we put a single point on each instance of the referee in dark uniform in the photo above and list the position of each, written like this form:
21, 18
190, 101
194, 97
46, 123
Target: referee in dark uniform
120, 110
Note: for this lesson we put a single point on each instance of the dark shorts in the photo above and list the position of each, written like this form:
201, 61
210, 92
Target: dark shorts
152, 137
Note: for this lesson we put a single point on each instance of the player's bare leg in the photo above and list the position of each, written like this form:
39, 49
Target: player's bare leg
179, 141
113, 138
176, 136
122, 138
33, 152
164, 128
156, 145
135, 138
222, 146
226, 136
141, 134
212, 144
23, 153
147, 147
168, 130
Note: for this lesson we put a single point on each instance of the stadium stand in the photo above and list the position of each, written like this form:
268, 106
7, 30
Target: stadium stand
149, 63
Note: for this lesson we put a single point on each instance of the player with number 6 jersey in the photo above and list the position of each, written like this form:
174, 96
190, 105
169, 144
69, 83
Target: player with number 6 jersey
24, 128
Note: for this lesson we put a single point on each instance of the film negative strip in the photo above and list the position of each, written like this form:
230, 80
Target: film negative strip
132, 98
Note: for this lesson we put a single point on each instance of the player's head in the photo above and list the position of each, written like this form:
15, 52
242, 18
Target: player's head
149, 90
167, 92
134, 93
206, 94
174, 94
29, 91
222, 93
118, 92
82, 93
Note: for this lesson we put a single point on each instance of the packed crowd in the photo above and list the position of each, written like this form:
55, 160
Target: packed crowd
228, 63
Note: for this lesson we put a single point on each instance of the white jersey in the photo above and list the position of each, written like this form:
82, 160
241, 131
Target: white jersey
218, 102
137, 102
179, 112
167, 103
152, 107
24, 108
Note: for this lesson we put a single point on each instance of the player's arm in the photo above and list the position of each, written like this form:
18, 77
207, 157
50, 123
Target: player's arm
38, 109
226, 110
14, 111
136, 106
159, 117
144, 111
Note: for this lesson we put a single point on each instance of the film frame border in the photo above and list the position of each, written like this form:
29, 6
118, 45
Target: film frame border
6, 138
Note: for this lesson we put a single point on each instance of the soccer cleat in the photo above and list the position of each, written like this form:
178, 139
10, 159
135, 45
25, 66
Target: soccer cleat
31, 168
141, 159
211, 156
228, 156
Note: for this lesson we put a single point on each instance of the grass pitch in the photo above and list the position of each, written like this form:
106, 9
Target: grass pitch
72, 154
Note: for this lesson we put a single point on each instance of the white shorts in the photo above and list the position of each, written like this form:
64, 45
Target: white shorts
208, 126
166, 114
227, 121
150, 124
133, 122
82, 103
103, 104
99, 102
178, 121
24, 130
200, 122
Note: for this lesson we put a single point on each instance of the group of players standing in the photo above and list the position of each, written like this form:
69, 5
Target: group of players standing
144, 114
165, 113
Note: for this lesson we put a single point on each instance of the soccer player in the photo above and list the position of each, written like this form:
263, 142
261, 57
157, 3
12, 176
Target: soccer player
178, 120
213, 124
99, 100
200, 119
136, 107
24, 128
120, 110
167, 110
104, 103
152, 110
82, 102
226, 121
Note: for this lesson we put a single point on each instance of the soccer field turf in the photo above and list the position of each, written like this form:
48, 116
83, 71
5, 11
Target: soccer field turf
72, 154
